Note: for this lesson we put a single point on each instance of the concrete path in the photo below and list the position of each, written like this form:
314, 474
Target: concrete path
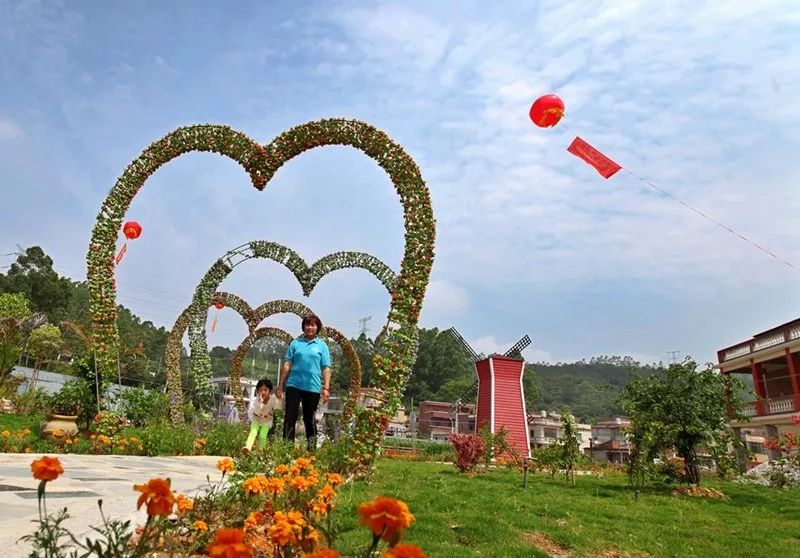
86, 479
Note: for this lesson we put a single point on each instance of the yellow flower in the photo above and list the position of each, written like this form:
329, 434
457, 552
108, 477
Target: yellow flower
200, 525
225, 465
5, 433
27, 450
133, 440
57, 432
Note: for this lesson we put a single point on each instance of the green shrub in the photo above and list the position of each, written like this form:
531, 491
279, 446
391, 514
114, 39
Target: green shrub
334, 456
162, 438
36, 402
225, 438
141, 407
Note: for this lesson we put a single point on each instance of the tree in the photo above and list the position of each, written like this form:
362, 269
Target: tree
44, 343
14, 310
33, 275
441, 363
570, 445
681, 408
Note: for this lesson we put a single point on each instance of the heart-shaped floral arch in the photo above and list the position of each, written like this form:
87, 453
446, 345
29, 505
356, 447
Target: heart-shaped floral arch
396, 354
307, 276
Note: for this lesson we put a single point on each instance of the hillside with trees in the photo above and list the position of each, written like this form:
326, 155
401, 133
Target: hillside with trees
442, 372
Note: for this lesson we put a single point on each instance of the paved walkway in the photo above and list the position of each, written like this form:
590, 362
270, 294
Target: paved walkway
86, 479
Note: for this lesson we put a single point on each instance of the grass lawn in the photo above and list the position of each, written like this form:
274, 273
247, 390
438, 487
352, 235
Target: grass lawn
13, 422
491, 515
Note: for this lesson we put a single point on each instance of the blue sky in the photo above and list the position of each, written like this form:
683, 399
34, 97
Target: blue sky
700, 98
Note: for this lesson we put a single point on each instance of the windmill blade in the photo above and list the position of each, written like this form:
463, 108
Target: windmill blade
473, 356
516, 350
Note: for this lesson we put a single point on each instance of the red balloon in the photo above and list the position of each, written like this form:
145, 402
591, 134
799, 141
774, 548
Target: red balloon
132, 230
219, 305
547, 110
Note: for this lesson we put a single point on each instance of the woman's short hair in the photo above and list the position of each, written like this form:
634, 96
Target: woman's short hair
312, 319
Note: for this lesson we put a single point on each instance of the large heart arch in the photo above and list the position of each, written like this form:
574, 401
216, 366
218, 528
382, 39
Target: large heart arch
392, 363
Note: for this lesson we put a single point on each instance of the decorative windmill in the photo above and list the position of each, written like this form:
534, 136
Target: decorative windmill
500, 394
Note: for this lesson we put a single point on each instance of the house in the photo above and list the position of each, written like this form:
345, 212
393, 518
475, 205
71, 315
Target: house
546, 428
772, 359
223, 396
609, 443
436, 420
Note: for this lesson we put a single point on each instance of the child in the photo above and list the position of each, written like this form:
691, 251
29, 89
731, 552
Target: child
261, 409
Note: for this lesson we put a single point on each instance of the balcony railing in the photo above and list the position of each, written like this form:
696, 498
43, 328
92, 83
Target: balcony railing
770, 406
789, 333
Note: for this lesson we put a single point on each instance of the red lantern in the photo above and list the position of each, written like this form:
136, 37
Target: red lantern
132, 230
547, 110
219, 305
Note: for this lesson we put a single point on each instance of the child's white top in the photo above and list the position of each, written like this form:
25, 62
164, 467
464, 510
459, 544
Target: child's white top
262, 413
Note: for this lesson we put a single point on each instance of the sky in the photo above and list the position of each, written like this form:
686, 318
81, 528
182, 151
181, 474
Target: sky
699, 98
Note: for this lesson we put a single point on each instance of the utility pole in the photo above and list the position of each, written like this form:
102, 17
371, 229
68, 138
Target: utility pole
363, 323
673, 357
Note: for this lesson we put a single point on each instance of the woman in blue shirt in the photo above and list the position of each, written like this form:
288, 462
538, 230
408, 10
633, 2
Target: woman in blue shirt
305, 376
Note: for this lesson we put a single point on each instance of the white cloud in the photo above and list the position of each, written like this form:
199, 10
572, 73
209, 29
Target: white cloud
444, 302
9, 130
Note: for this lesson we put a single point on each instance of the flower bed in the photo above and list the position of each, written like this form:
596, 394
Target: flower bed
256, 509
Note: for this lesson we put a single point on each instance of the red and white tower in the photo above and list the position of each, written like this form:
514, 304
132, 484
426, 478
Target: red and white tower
500, 393
501, 400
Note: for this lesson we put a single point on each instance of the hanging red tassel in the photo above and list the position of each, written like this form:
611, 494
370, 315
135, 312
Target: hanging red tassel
121, 253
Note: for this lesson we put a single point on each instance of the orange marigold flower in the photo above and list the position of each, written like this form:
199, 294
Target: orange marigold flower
334, 479
57, 432
27, 450
282, 469
255, 485
5, 433
200, 525
25, 431
274, 485
282, 533
185, 504
253, 520
404, 550
225, 465
133, 440
302, 463
93, 437
229, 543
324, 553
158, 496
385, 516
326, 493
47, 468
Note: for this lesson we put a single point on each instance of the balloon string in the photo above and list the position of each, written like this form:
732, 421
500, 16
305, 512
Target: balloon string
701, 213
711, 219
